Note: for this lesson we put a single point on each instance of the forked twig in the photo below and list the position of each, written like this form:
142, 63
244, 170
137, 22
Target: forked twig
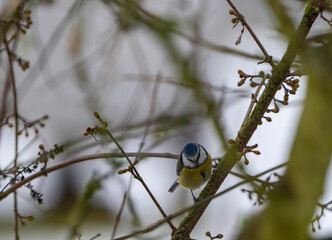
244, 22
253, 100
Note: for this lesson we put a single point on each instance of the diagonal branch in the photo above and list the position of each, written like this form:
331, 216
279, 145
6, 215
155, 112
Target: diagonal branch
279, 72
136, 174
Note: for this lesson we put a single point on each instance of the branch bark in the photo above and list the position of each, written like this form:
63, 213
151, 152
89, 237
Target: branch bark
292, 204
279, 73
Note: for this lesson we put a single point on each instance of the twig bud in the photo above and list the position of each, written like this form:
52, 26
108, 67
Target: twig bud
241, 82
256, 152
231, 141
96, 115
219, 236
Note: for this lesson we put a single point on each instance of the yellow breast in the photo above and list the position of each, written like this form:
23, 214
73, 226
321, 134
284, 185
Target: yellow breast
194, 178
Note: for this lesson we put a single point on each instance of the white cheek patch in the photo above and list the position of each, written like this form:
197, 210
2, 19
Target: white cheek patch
187, 163
203, 156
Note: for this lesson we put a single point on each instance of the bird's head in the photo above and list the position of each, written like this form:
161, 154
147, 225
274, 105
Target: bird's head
193, 155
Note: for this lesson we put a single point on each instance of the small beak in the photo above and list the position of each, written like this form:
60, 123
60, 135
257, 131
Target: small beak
193, 161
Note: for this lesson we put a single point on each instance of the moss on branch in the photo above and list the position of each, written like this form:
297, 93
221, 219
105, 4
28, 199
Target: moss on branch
232, 156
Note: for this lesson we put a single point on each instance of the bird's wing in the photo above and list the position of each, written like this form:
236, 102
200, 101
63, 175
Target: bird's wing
179, 166
174, 186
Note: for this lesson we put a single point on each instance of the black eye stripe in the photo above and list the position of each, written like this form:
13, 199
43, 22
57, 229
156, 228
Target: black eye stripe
190, 160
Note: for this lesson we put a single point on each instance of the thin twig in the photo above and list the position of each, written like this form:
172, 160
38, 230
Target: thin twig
118, 216
139, 178
253, 100
96, 236
178, 83
48, 50
146, 130
198, 40
151, 111
13, 85
6, 87
238, 14
14, 46
64, 164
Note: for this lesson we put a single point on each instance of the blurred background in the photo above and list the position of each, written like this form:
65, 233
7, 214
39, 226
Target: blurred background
88, 56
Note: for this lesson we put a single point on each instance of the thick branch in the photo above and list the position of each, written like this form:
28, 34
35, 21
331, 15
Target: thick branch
279, 73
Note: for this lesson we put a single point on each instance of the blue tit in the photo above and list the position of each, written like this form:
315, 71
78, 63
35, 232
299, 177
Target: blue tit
193, 168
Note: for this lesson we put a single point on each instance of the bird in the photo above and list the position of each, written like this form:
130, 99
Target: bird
193, 169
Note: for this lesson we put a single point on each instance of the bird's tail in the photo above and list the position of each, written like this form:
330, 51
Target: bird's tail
174, 186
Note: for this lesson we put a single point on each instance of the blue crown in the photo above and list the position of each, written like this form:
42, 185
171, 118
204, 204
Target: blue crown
191, 149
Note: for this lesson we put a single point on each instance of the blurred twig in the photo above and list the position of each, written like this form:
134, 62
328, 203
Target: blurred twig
153, 103
118, 216
72, 161
15, 109
47, 51
218, 48
175, 81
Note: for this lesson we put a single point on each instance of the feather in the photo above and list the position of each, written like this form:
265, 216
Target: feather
174, 186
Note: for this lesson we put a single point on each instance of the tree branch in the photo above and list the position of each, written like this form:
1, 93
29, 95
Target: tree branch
279, 72
64, 164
